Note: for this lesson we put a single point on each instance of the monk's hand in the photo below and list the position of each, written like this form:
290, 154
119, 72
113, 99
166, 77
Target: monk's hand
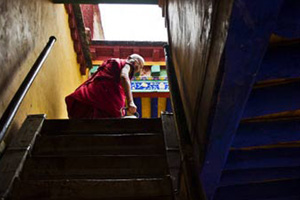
132, 108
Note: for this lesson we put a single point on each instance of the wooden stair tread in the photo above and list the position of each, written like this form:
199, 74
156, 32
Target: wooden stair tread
91, 189
102, 126
95, 144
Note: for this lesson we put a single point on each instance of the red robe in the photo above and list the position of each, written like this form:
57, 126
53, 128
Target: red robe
101, 96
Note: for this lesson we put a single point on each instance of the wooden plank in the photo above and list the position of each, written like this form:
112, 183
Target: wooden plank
92, 189
10, 167
280, 62
251, 25
288, 24
94, 167
273, 99
264, 190
266, 133
99, 145
62, 126
28, 132
243, 176
13, 159
263, 158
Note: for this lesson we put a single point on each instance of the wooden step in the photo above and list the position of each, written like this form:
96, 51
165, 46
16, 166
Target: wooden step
276, 189
243, 176
273, 99
58, 127
93, 189
94, 144
94, 167
263, 158
258, 133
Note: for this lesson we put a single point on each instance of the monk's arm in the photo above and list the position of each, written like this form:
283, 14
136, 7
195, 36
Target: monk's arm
125, 81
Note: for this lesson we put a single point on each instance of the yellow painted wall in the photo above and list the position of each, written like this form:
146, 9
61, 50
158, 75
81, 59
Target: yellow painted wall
24, 30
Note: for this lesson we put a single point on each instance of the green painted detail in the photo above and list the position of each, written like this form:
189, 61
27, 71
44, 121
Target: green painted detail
93, 69
163, 72
155, 70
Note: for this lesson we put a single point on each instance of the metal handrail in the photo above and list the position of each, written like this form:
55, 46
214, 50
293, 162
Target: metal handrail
188, 165
16, 101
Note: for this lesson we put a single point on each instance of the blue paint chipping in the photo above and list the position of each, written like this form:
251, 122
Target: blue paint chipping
154, 107
138, 103
252, 22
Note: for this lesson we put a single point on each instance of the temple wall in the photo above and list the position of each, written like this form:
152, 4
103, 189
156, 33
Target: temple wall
24, 31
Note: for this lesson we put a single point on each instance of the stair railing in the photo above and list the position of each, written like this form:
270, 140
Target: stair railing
16, 101
188, 169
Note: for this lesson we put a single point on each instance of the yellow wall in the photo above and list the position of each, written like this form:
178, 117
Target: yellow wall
25, 29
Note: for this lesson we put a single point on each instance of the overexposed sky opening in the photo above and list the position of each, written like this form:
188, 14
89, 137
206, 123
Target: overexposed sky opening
127, 22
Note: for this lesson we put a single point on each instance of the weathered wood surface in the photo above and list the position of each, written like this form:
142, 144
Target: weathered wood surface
62, 126
172, 149
14, 157
94, 167
99, 145
93, 189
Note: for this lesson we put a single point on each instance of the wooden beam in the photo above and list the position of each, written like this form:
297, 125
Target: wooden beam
251, 25
107, 1
154, 105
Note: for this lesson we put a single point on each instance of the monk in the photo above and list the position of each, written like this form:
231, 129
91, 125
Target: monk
105, 92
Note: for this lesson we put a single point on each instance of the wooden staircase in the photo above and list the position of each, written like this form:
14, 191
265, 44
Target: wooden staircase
96, 159
264, 158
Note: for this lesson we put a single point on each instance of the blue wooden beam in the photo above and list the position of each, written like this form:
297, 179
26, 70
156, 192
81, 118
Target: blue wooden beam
266, 133
154, 107
275, 99
288, 24
275, 190
243, 176
263, 158
251, 24
138, 103
280, 62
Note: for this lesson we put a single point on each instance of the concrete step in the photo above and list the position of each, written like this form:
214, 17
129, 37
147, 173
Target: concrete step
58, 127
94, 167
95, 144
156, 188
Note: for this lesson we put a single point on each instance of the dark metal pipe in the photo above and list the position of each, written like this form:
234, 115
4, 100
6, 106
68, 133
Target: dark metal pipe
16, 101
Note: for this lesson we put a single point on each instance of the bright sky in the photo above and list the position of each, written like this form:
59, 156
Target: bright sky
127, 22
